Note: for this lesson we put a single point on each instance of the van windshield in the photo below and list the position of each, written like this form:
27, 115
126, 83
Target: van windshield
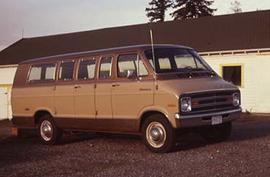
177, 60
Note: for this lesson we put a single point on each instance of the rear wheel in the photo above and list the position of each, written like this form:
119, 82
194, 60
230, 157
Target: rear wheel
217, 133
48, 132
158, 134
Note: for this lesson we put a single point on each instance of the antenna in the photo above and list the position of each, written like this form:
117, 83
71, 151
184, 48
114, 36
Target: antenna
22, 32
153, 50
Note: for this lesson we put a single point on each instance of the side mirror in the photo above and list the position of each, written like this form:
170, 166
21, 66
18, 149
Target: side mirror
131, 74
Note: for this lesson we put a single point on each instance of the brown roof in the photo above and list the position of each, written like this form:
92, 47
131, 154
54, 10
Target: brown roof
226, 32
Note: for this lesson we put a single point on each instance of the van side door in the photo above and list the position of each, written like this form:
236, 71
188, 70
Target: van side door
103, 95
84, 89
64, 92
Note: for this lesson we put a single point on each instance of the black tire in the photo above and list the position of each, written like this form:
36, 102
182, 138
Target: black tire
217, 133
168, 142
56, 133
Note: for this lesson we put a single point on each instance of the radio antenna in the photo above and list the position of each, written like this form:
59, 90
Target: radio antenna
153, 50
22, 33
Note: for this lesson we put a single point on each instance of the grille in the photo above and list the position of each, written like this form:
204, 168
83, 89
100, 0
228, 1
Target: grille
212, 101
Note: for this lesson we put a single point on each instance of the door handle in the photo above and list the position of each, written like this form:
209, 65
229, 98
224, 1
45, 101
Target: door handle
77, 86
115, 85
145, 89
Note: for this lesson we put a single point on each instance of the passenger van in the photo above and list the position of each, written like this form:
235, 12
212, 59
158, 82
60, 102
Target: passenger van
148, 90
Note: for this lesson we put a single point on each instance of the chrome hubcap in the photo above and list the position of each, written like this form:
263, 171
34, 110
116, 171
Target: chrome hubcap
46, 130
156, 134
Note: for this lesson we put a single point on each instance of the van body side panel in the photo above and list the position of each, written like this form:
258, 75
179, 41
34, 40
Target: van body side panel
99, 125
103, 99
84, 100
23, 122
129, 98
168, 102
18, 85
103, 90
21, 76
64, 100
28, 98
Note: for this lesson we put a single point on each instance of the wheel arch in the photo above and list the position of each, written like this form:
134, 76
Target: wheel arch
150, 112
39, 113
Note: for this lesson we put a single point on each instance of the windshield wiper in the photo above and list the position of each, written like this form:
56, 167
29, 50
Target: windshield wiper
191, 71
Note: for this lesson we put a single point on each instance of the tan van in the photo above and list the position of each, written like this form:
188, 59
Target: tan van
124, 90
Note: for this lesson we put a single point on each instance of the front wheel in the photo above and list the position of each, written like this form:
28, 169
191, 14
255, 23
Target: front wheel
217, 133
48, 132
158, 134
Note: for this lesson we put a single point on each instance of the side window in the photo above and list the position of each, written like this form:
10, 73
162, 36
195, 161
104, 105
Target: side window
35, 73
42, 72
66, 71
50, 72
164, 63
87, 70
105, 68
126, 63
130, 62
142, 69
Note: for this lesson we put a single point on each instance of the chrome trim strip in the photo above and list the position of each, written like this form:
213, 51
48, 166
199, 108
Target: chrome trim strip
178, 116
9, 66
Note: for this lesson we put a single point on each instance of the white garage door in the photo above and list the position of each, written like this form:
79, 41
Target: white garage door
4, 107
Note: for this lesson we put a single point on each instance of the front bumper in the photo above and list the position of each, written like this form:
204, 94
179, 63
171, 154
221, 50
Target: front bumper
206, 119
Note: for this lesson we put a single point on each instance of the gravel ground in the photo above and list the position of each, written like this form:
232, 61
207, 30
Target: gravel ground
247, 153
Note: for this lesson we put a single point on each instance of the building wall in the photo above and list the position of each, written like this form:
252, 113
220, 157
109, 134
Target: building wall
256, 78
6, 80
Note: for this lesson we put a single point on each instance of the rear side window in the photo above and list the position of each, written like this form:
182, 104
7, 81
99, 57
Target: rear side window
105, 68
87, 70
42, 72
66, 71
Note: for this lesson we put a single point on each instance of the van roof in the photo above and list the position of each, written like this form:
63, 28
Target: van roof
117, 49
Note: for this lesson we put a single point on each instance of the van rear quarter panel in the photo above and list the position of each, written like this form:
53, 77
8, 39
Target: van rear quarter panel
28, 98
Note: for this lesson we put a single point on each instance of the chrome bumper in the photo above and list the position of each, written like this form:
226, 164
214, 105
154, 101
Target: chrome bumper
206, 119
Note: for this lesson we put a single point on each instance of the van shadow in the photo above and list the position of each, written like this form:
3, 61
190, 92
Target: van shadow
243, 129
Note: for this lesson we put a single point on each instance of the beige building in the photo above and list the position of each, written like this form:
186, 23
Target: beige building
249, 69
237, 46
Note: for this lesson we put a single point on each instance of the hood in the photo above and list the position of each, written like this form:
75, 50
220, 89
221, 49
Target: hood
189, 85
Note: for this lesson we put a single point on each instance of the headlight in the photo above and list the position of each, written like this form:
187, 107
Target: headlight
236, 99
186, 104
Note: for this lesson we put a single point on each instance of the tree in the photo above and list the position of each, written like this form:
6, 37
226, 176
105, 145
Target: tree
236, 7
186, 9
157, 10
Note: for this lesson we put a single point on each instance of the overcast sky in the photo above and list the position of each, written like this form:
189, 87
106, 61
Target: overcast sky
46, 17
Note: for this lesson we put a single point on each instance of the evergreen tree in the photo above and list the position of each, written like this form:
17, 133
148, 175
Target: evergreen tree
186, 9
236, 7
157, 9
